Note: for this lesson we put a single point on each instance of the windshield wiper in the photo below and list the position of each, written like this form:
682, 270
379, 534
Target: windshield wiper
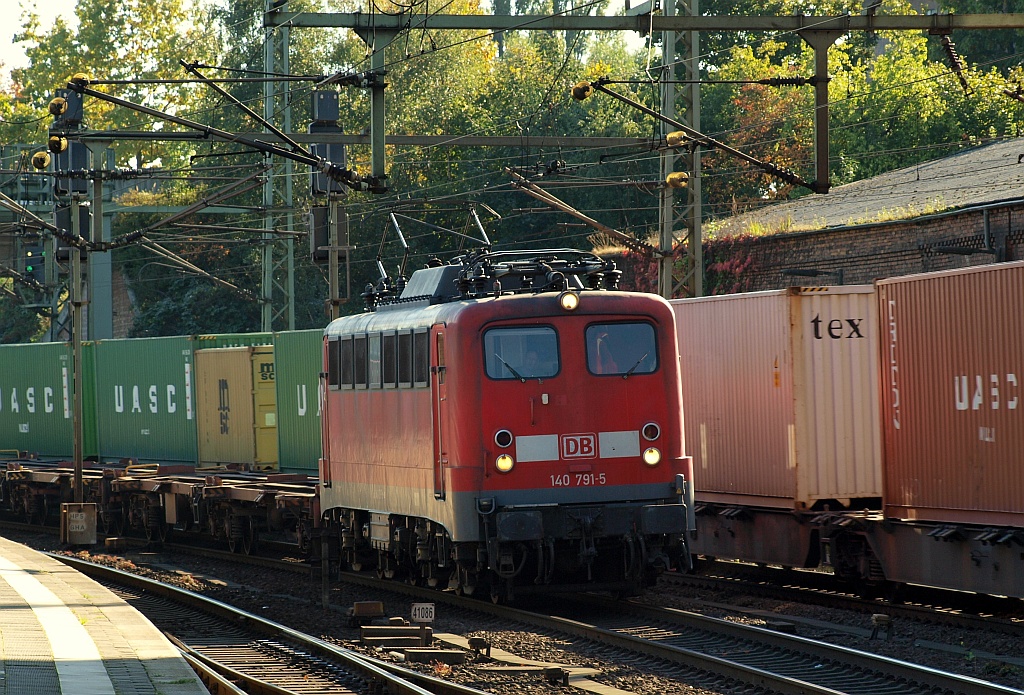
516, 374
633, 368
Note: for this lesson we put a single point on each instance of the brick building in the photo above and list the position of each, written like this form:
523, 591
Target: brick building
961, 210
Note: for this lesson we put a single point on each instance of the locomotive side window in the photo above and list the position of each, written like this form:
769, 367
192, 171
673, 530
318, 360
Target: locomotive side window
332, 363
521, 352
373, 361
405, 359
359, 361
421, 358
390, 360
346, 362
621, 349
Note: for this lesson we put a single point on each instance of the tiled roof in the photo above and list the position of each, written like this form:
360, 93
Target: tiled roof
985, 174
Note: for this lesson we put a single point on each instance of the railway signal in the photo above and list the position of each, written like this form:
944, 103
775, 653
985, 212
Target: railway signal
35, 262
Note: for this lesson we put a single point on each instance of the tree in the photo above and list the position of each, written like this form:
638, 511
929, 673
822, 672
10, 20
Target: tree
132, 40
1002, 49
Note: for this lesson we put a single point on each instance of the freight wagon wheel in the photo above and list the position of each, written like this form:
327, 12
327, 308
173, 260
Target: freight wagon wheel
33, 509
234, 528
153, 524
250, 537
111, 521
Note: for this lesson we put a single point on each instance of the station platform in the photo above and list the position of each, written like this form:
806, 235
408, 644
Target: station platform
61, 633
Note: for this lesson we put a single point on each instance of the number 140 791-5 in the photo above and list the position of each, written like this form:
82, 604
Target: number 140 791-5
577, 479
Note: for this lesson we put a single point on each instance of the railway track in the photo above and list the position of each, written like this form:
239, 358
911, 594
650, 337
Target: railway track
266, 657
786, 663
915, 603
685, 647
704, 651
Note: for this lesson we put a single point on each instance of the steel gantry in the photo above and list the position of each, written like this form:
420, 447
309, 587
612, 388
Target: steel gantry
680, 23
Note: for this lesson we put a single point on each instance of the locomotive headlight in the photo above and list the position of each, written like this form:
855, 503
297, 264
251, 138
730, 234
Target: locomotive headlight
504, 463
569, 300
651, 431
652, 456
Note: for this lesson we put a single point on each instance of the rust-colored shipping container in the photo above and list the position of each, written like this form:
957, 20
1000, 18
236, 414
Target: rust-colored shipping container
237, 411
953, 395
780, 396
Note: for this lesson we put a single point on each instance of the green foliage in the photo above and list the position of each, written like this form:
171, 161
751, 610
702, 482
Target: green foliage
1001, 49
134, 40
887, 110
17, 324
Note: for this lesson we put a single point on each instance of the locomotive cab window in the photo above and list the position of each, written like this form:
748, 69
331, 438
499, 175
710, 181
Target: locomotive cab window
521, 352
621, 349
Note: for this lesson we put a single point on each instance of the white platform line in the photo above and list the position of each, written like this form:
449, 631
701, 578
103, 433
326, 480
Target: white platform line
79, 665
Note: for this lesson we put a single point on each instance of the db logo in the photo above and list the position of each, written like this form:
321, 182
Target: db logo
578, 446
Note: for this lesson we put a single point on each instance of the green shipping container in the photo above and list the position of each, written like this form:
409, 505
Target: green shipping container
299, 363
36, 382
145, 399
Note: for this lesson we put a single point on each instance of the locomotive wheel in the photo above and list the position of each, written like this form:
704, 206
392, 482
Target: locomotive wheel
385, 566
467, 582
438, 577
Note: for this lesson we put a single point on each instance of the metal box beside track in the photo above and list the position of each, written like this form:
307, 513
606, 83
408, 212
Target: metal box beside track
299, 361
780, 396
953, 395
237, 407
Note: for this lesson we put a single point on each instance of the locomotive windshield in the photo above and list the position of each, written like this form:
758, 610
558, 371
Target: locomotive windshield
621, 349
521, 353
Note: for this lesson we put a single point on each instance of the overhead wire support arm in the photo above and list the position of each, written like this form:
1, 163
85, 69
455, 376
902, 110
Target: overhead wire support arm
582, 90
193, 69
532, 189
333, 171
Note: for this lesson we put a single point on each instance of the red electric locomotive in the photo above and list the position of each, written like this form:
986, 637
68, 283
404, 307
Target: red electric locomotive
505, 423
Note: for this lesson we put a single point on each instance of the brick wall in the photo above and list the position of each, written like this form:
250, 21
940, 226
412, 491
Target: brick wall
863, 253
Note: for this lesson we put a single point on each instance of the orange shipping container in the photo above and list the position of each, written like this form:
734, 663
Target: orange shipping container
780, 396
953, 395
